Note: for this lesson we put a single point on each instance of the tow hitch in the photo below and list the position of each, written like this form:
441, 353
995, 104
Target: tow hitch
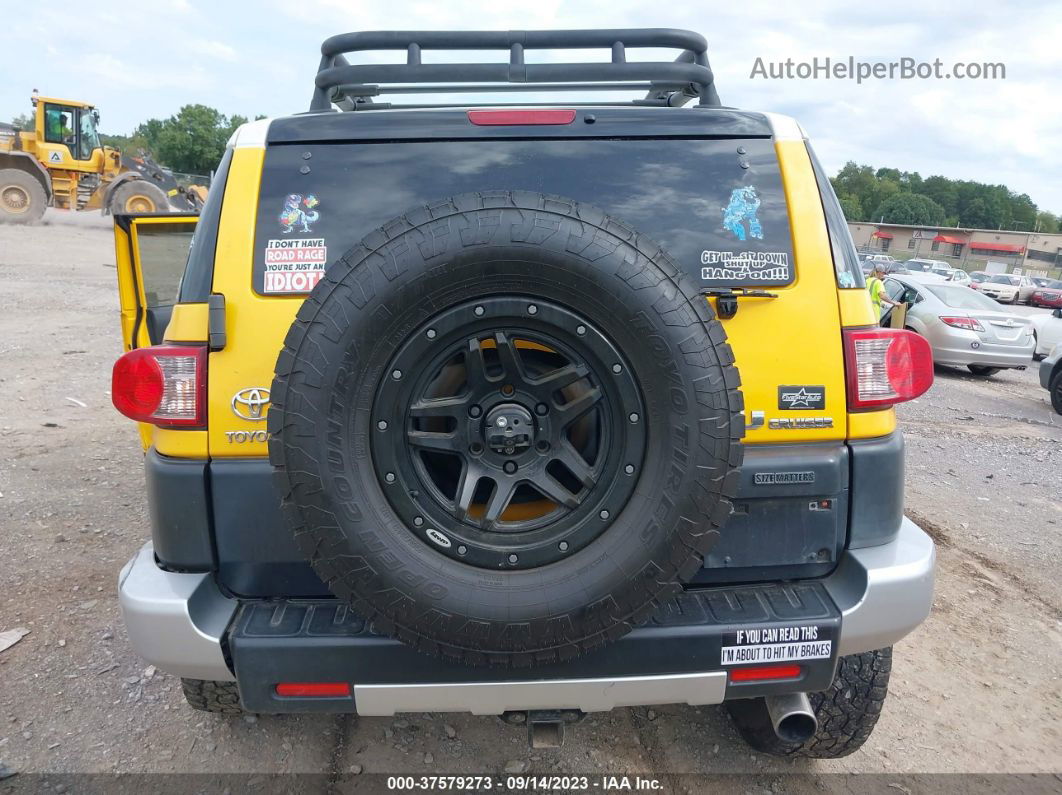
545, 727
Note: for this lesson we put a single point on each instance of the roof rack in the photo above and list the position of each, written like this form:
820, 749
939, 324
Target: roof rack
667, 83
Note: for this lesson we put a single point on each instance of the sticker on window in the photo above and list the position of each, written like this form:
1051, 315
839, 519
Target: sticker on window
294, 265
741, 211
776, 644
298, 212
765, 266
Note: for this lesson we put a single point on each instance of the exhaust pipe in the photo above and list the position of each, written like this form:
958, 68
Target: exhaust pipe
792, 717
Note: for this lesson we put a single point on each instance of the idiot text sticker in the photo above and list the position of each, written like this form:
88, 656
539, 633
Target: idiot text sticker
294, 265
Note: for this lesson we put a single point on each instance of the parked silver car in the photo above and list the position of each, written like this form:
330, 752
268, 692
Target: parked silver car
963, 327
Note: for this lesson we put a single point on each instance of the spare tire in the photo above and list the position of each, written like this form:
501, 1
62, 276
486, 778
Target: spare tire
505, 428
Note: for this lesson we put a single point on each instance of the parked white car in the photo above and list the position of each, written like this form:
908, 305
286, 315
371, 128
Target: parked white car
1047, 329
1008, 288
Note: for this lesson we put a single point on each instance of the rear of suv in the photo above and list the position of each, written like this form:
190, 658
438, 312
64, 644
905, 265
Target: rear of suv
520, 410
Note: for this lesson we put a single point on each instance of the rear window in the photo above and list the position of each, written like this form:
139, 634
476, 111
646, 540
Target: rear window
717, 206
961, 297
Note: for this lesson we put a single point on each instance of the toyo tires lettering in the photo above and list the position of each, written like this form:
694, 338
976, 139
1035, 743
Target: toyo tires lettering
677, 392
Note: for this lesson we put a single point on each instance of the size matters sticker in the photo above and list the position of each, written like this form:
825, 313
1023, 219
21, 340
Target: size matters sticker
759, 266
294, 265
776, 644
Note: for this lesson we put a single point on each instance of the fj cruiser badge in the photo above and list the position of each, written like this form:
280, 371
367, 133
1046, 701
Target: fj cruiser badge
250, 403
791, 398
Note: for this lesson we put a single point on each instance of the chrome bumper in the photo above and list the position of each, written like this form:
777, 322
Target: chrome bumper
176, 622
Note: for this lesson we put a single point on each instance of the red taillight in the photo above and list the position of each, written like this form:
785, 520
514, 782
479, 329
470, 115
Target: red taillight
313, 689
760, 673
885, 366
512, 117
968, 323
164, 385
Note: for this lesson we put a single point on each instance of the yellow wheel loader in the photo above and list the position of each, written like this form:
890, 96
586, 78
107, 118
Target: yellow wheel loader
60, 162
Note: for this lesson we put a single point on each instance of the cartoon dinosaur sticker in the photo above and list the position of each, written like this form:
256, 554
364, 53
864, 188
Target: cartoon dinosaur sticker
743, 206
298, 211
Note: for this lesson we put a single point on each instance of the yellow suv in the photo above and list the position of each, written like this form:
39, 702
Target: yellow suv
521, 410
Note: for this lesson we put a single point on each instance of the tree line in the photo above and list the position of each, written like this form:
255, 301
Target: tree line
891, 196
193, 140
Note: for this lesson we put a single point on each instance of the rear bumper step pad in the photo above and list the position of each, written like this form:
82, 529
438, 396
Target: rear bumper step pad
674, 658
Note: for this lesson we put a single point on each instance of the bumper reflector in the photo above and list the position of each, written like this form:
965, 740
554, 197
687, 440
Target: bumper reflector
762, 672
313, 689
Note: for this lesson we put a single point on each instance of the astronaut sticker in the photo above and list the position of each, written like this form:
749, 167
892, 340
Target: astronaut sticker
741, 211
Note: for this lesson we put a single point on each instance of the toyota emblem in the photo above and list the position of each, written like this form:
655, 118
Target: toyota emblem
250, 403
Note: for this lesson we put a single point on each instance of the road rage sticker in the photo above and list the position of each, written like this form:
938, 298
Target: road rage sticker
294, 265
747, 266
776, 644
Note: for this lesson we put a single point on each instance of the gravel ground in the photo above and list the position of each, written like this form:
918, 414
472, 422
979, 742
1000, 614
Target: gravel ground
976, 689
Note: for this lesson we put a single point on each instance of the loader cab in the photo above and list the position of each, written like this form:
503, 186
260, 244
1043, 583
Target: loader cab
68, 134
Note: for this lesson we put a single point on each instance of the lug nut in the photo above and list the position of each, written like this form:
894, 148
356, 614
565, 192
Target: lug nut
479, 311
543, 446
396, 374
580, 330
629, 469
509, 467
474, 411
604, 514
513, 558
542, 409
563, 546
430, 333
382, 425
532, 310
417, 521
633, 417
617, 368
390, 477
461, 550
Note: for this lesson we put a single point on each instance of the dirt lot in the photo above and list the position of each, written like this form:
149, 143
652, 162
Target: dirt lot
976, 689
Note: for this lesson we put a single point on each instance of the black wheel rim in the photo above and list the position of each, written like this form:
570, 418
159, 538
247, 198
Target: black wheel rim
508, 432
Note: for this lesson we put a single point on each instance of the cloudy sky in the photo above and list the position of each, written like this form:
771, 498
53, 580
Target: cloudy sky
139, 60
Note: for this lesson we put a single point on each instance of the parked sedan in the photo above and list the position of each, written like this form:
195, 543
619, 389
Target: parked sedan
1047, 331
963, 327
1047, 294
1051, 377
959, 276
977, 278
1008, 288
